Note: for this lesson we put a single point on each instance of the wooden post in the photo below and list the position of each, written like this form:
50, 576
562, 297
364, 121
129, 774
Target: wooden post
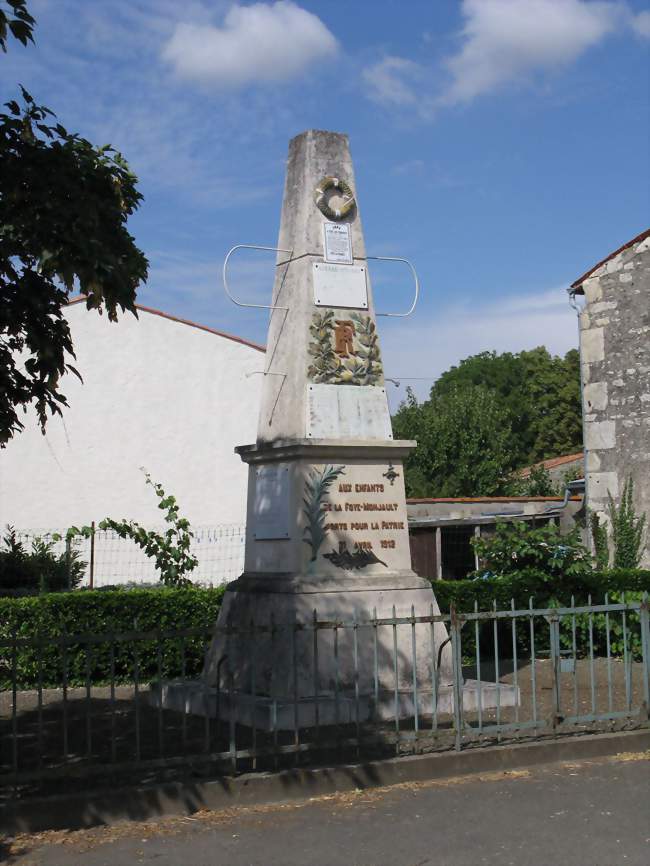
438, 553
68, 560
92, 556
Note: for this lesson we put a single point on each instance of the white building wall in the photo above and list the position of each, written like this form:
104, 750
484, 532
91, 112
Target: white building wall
157, 393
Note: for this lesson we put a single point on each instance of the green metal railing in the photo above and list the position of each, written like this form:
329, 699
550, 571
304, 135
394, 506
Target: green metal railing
320, 690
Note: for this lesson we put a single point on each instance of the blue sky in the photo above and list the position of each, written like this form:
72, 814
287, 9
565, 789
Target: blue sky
501, 145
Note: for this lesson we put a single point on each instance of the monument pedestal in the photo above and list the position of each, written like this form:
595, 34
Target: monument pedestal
268, 714
336, 534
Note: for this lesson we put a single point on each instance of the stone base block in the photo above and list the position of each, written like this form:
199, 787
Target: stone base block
267, 714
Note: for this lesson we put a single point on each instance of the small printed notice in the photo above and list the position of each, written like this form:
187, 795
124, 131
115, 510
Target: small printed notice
338, 243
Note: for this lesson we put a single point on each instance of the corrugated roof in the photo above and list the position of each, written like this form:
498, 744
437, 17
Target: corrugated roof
154, 312
588, 273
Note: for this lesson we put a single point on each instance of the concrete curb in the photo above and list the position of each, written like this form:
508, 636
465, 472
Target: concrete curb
94, 808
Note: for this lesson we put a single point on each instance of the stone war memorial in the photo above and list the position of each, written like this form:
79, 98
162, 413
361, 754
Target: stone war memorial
327, 536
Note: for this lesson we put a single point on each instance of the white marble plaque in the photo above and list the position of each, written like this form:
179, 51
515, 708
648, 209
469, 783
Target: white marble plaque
347, 412
340, 285
337, 243
271, 503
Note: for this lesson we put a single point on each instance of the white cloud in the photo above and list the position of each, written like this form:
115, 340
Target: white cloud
428, 344
641, 24
390, 81
504, 40
501, 42
258, 44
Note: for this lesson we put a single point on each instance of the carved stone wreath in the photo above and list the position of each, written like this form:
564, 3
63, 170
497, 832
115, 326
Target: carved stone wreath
320, 197
344, 351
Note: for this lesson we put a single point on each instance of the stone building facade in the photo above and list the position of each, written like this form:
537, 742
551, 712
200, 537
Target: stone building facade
615, 368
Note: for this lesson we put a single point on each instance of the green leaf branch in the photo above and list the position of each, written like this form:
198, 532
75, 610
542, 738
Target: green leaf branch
169, 549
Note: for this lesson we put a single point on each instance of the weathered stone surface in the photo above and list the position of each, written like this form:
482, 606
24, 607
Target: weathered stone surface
595, 396
312, 156
592, 289
592, 341
600, 484
329, 490
600, 435
615, 357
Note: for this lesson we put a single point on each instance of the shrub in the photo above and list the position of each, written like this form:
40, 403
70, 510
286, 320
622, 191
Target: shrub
104, 614
24, 572
619, 641
628, 529
542, 587
546, 591
599, 536
519, 546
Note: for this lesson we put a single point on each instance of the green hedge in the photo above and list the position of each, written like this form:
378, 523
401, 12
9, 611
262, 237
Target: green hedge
546, 591
165, 609
103, 613
543, 589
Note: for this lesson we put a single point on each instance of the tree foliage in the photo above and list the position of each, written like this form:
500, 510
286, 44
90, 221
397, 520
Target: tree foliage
64, 204
15, 21
539, 391
489, 416
463, 440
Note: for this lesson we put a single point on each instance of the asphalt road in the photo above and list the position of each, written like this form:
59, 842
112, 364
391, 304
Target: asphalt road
595, 813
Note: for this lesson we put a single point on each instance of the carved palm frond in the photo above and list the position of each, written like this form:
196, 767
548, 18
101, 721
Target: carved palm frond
317, 486
357, 559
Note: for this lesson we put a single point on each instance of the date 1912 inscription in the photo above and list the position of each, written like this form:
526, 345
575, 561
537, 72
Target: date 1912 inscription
348, 508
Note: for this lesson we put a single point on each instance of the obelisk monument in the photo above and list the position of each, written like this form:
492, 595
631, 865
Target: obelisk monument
327, 527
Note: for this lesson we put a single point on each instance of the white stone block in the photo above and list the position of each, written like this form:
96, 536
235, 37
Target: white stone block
592, 289
600, 435
603, 306
599, 484
625, 278
347, 412
614, 264
593, 345
593, 461
595, 394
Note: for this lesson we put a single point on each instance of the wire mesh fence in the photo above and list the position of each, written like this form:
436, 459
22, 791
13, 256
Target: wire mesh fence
269, 695
110, 560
